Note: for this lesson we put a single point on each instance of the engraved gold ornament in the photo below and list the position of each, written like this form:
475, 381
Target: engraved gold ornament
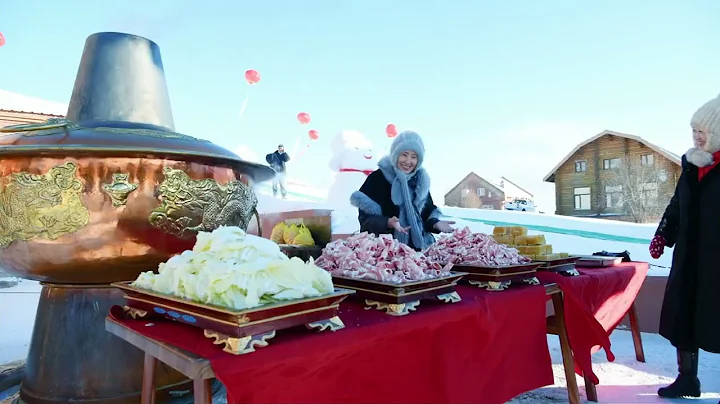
45, 205
189, 206
119, 189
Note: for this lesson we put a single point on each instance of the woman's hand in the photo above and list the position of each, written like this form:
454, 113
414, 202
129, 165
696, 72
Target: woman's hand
394, 223
444, 226
657, 246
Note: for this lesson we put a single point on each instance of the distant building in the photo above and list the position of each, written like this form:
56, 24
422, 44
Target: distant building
615, 176
18, 109
513, 191
476, 192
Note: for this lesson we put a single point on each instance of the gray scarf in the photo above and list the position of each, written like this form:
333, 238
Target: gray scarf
401, 194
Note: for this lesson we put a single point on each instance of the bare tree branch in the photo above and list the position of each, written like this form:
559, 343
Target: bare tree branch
642, 192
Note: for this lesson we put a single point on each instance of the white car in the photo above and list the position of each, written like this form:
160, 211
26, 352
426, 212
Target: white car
522, 205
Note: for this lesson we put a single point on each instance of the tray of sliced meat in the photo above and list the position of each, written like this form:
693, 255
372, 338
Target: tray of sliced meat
388, 274
400, 299
488, 264
563, 266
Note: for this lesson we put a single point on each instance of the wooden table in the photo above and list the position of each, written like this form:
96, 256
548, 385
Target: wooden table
200, 372
194, 367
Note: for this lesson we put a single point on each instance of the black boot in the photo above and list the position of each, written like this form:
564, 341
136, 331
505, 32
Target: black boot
687, 383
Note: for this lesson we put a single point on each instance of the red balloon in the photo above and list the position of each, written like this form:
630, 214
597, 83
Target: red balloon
314, 134
252, 76
303, 118
391, 130
2, 39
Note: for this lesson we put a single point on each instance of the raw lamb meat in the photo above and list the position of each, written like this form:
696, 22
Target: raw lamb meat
468, 248
379, 258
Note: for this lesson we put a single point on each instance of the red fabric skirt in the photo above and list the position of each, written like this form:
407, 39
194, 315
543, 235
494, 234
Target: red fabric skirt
488, 348
595, 303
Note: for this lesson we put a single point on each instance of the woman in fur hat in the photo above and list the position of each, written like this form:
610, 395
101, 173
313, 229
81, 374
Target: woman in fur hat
690, 317
395, 199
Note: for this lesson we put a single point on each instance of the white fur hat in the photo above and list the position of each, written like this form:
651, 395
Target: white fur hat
708, 117
407, 140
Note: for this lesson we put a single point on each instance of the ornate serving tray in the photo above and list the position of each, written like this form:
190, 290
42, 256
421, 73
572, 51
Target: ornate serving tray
399, 299
497, 278
240, 331
564, 266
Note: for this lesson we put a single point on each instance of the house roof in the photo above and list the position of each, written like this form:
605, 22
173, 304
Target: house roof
507, 181
665, 153
14, 102
472, 174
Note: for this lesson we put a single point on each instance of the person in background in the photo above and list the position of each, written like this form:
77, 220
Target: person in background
277, 160
395, 199
690, 317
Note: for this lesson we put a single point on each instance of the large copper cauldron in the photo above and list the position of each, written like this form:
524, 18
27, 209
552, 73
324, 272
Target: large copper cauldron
99, 197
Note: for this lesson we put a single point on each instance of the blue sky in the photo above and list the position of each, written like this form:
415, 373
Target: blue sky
497, 87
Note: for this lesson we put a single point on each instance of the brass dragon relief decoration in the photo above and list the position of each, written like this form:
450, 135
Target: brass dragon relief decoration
189, 206
42, 205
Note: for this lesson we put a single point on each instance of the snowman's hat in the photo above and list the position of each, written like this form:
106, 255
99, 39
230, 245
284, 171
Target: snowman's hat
120, 104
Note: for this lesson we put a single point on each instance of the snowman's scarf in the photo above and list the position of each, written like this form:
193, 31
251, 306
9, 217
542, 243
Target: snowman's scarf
403, 186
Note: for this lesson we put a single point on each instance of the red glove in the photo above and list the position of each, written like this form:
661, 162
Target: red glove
657, 246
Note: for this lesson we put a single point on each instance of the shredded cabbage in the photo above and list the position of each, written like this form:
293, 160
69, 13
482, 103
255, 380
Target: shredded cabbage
230, 268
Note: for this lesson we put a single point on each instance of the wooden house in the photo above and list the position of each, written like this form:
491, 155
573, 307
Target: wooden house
476, 192
17, 109
615, 176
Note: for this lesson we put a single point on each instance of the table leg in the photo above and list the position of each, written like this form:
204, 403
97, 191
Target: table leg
590, 390
148, 381
636, 336
202, 391
568, 363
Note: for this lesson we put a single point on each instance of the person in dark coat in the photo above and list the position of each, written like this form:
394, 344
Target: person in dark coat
395, 199
690, 317
277, 161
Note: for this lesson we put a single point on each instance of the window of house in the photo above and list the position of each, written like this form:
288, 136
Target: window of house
647, 159
465, 192
649, 191
582, 198
611, 164
613, 196
580, 166
481, 191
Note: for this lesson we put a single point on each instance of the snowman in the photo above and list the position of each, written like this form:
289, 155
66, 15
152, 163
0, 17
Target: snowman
352, 160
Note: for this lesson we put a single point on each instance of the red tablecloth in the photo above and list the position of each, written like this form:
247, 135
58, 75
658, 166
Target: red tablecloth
486, 349
604, 293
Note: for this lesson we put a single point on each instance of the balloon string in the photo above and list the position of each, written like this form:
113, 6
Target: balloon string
244, 103
302, 153
293, 154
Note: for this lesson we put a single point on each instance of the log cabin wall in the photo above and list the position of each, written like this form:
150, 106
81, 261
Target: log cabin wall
585, 169
9, 118
467, 194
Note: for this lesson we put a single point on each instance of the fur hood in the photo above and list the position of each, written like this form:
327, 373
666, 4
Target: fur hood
699, 157
419, 178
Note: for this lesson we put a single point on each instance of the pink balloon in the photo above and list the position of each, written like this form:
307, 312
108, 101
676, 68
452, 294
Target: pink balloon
252, 77
303, 118
391, 130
